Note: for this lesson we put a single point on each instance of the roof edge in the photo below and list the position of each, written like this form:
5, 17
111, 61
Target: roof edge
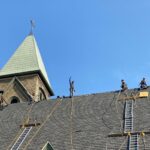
29, 73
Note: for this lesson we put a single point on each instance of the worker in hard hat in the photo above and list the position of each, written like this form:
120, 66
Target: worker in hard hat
123, 85
143, 84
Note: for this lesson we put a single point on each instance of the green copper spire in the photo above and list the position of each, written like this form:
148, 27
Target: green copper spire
26, 59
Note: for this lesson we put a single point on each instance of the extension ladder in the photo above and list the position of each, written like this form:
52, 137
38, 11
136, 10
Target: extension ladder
128, 124
21, 138
133, 142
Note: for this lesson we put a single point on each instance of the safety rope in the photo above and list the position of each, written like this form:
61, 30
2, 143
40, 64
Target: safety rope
113, 99
9, 85
138, 140
48, 116
116, 104
26, 120
143, 139
3, 100
124, 142
144, 143
71, 124
23, 122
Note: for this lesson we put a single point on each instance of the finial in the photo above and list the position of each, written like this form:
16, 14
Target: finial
32, 26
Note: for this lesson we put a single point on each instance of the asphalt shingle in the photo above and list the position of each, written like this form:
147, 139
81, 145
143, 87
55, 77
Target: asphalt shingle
94, 117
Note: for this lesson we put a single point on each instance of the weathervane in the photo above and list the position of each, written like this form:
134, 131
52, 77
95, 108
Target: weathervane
32, 26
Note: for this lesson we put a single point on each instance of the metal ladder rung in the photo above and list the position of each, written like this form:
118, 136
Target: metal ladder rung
128, 124
134, 142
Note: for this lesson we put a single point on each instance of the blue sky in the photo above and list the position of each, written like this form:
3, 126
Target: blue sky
97, 42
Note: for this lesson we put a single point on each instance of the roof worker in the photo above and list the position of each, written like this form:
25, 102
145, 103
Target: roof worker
71, 89
143, 84
123, 85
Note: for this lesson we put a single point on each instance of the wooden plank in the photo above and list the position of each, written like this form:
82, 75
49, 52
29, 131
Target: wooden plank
125, 134
132, 98
140, 95
129, 98
29, 125
143, 94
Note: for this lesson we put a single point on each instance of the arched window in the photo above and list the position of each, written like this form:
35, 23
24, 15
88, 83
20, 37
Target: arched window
14, 99
42, 95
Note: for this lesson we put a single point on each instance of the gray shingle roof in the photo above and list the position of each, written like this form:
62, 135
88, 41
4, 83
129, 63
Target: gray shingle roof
95, 116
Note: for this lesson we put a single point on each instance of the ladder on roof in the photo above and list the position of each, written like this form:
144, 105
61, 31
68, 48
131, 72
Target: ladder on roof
128, 126
128, 122
21, 138
133, 142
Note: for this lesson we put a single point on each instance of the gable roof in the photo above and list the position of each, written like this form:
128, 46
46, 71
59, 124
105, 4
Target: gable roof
26, 59
95, 116
23, 90
47, 146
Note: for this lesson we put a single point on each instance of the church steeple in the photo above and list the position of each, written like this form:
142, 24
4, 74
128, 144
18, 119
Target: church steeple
27, 60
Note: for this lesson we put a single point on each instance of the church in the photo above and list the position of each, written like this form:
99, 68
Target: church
31, 120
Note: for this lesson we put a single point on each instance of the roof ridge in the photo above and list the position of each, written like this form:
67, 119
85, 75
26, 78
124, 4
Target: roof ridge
33, 39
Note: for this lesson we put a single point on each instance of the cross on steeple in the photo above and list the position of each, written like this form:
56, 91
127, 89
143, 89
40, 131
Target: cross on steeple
32, 26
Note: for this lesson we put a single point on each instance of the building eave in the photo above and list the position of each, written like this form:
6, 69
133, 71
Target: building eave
31, 73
